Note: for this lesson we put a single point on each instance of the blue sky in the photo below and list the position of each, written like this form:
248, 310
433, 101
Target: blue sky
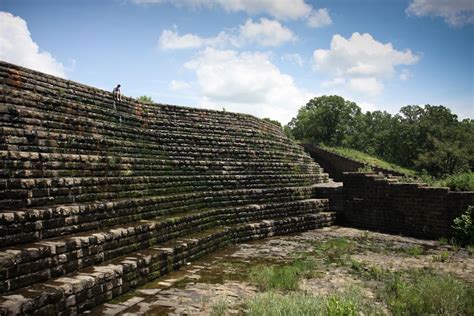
263, 57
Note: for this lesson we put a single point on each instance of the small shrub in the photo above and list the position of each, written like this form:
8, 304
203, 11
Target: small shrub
348, 303
266, 278
292, 304
414, 251
219, 308
442, 257
464, 227
455, 182
339, 307
336, 250
428, 294
366, 169
460, 182
282, 277
443, 241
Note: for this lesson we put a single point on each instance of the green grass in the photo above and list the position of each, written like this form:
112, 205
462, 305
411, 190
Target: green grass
335, 250
348, 303
284, 278
426, 293
457, 182
219, 308
443, 256
368, 159
414, 251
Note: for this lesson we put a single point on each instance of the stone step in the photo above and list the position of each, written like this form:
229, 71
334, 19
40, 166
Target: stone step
198, 180
66, 114
81, 290
20, 102
34, 82
90, 144
34, 262
20, 225
79, 190
16, 169
33, 158
110, 133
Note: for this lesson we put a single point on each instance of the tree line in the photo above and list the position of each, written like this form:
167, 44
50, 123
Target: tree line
426, 138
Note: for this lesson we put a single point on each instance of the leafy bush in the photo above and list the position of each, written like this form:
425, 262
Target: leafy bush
464, 227
460, 182
340, 307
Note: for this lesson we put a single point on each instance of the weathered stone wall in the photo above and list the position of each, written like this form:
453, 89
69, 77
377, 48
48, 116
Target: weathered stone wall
336, 165
98, 197
373, 202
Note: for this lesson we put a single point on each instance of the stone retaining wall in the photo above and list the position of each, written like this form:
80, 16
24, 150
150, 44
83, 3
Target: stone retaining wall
93, 192
374, 202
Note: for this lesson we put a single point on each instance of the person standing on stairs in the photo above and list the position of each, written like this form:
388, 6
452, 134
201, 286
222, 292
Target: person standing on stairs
116, 93
117, 97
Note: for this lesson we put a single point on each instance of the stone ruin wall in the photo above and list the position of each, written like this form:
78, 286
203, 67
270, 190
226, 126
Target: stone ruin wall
374, 202
97, 198
380, 202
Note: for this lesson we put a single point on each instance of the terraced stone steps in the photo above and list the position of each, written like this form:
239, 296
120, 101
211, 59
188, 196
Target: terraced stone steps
59, 113
19, 104
53, 136
29, 263
97, 196
30, 224
81, 290
80, 190
59, 90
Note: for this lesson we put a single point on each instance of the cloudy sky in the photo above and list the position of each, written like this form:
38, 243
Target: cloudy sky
263, 57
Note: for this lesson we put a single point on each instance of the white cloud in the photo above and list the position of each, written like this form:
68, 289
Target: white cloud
293, 58
176, 85
454, 12
246, 82
17, 47
319, 18
405, 74
264, 33
172, 40
369, 85
361, 62
279, 9
333, 82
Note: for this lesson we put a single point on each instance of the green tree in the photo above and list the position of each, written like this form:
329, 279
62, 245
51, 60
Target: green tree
428, 137
326, 119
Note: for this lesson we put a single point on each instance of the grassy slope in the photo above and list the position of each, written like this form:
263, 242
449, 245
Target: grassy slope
457, 182
365, 158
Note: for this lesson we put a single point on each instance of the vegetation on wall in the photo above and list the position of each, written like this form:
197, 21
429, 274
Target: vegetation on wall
145, 99
428, 138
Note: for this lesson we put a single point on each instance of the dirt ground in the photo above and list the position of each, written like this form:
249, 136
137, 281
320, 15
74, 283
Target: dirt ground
222, 278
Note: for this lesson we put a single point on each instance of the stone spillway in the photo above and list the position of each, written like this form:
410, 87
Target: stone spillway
98, 197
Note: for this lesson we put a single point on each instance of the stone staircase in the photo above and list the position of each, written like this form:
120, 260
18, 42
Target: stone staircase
97, 197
